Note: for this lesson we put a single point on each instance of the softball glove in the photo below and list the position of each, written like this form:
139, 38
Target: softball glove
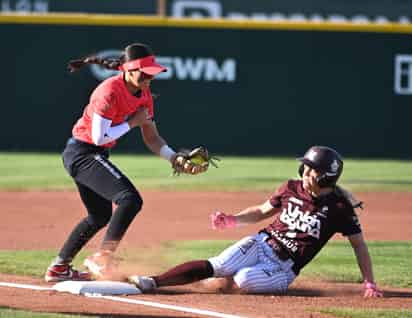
193, 161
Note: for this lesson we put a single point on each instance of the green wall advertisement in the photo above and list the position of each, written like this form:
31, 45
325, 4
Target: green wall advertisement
237, 91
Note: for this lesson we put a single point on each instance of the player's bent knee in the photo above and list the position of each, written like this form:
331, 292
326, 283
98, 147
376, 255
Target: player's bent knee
253, 282
130, 200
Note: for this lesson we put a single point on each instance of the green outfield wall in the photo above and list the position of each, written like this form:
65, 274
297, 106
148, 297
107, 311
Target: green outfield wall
240, 88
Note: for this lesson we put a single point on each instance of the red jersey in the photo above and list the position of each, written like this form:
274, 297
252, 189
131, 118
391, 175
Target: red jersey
111, 100
305, 224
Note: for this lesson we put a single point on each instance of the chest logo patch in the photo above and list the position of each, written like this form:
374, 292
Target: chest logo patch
298, 220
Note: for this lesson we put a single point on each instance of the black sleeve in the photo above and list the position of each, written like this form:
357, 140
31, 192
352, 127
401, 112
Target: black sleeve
349, 223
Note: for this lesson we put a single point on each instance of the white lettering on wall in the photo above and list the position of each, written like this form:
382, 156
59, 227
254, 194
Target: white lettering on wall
403, 74
25, 5
197, 9
180, 68
214, 9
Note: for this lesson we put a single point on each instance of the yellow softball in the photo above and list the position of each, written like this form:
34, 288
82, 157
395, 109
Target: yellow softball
197, 160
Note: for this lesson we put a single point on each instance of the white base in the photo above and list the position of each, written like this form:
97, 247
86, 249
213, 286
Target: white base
97, 288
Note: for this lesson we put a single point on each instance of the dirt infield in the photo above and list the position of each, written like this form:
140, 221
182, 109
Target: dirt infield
38, 220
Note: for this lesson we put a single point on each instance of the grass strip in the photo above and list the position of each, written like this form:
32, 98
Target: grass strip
367, 313
336, 262
42, 171
12, 313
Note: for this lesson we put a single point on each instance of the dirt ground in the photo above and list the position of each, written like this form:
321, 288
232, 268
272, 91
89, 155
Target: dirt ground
40, 220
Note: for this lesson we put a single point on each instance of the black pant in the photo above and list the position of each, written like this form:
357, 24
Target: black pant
99, 183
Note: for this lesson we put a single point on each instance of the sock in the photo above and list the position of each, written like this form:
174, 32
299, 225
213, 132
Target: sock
185, 273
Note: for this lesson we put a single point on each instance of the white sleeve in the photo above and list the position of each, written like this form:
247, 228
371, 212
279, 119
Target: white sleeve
103, 132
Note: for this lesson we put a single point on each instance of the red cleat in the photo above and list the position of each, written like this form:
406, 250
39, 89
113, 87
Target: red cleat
63, 272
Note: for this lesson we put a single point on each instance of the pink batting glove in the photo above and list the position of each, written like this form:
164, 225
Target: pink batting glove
222, 221
371, 291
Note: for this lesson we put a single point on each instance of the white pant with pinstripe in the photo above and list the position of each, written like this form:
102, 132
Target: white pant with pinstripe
254, 266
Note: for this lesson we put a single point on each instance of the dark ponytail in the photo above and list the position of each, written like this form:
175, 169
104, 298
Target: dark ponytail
131, 52
111, 64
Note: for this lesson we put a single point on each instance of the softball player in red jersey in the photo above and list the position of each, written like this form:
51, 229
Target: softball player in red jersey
306, 214
117, 105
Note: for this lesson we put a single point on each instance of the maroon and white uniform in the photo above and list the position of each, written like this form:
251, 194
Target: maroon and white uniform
270, 260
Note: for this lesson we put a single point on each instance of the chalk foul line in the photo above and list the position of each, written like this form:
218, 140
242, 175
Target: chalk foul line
132, 301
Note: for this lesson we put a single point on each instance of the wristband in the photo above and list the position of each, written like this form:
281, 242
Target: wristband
369, 285
231, 221
166, 152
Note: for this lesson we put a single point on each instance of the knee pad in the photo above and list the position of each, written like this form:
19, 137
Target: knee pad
130, 200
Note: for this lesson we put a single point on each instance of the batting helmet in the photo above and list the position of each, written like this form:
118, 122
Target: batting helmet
327, 161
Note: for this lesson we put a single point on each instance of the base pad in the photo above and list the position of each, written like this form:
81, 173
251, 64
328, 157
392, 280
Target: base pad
97, 288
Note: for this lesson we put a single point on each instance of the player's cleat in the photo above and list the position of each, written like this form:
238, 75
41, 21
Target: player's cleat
101, 264
63, 272
144, 283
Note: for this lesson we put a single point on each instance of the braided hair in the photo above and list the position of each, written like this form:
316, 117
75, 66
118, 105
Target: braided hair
131, 52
